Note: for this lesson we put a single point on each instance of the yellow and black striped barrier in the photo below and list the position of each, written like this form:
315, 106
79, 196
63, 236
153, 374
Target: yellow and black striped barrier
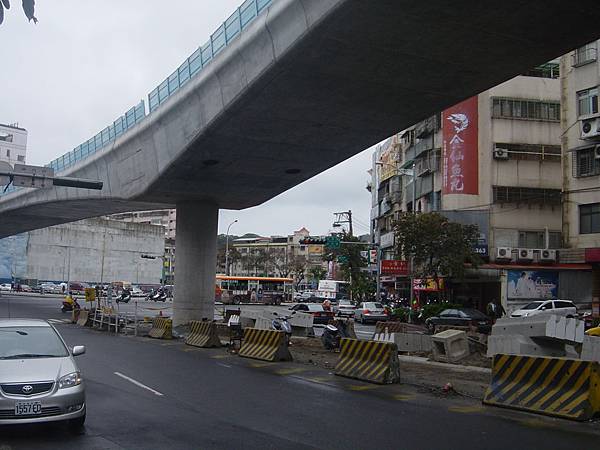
266, 345
372, 361
162, 328
560, 387
203, 334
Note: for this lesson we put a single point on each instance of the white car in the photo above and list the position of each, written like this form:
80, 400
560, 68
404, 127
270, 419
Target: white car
557, 307
5, 287
137, 292
50, 288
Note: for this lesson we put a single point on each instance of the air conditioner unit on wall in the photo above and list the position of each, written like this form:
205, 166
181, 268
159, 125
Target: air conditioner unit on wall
503, 254
547, 255
525, 254
590, 128
500, 153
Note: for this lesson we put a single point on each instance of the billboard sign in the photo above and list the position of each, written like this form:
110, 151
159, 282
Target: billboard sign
394, 267
460, 148
428, 284
532, 285
389, 159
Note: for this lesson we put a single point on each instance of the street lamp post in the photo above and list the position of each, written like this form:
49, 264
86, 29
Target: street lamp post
227, 248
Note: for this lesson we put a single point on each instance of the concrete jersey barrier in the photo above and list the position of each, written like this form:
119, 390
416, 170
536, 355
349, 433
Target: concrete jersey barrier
376, 362
557, 387
162, 328
266, 345
83, 318
203, 334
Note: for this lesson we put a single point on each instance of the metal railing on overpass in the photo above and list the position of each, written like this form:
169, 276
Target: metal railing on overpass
228, 31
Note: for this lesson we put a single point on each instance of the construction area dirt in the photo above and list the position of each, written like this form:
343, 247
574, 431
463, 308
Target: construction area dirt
469, 378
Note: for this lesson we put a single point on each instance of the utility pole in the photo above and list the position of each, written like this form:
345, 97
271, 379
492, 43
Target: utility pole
344, 217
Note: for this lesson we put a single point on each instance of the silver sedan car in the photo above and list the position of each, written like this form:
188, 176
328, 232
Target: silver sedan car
39, 380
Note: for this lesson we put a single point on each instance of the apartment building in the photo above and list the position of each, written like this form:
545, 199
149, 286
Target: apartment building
493, 160
13, 144
164, 217
580, 120
278, 255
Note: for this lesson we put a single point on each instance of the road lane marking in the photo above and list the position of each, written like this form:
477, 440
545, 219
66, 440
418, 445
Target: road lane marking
359, 388
290, 371
404, 397
220, 356
466, 409
137, 383
224, 365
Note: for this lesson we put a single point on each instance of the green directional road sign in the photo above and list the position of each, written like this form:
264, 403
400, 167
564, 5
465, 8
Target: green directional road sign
332, 242
342, 259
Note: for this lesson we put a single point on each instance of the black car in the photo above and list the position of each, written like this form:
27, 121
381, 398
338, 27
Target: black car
463, 317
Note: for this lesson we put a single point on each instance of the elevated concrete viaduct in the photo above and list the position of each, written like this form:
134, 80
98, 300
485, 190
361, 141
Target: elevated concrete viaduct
307, 85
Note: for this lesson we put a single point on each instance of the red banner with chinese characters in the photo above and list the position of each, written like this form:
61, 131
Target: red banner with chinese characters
460, 148
394, 267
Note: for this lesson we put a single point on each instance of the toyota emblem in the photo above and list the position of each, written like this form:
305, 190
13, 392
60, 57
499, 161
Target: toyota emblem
27, 389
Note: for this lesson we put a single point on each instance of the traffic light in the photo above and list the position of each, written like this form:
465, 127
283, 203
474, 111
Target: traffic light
313, 241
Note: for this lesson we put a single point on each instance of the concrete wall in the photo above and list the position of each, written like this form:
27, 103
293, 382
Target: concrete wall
93, 250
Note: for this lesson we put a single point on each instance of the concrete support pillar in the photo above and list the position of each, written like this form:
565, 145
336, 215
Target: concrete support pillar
195, 261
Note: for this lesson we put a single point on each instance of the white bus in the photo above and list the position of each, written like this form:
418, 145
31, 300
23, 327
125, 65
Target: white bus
333, 290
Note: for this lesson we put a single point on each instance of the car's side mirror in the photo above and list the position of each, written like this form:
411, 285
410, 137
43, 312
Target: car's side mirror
543, 308
78, 350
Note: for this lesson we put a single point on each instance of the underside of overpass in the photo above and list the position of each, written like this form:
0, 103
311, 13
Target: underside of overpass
308, 85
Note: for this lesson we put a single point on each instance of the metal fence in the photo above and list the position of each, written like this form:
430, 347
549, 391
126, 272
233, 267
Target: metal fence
229, 30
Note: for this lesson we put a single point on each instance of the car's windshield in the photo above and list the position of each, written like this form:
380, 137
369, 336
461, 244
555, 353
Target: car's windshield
345, 303
315, 308
30, 342
373, 305
532, 305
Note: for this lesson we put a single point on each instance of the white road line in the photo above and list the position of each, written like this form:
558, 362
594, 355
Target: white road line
137, 383
224, 365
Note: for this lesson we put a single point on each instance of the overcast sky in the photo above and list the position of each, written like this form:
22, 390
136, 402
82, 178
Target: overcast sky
88, 61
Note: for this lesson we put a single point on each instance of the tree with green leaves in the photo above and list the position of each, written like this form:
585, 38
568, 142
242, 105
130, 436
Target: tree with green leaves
438, 247
317, 273
351, 263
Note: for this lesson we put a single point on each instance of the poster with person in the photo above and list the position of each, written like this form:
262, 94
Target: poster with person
532, 285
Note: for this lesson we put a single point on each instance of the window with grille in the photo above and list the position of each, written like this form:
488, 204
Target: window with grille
531, 152
522, 109
589, 218
539, 196
537, 239
585, 164
586, 54
587, 102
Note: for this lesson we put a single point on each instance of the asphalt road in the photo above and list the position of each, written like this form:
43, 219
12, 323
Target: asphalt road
151, 394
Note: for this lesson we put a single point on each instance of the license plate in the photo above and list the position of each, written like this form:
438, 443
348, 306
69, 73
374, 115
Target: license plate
28, 408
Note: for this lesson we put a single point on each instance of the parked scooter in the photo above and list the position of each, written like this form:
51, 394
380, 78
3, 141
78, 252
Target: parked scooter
124, 297
333, 335
281, 323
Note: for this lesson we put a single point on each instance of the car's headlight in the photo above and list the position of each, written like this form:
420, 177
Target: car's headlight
70, 380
